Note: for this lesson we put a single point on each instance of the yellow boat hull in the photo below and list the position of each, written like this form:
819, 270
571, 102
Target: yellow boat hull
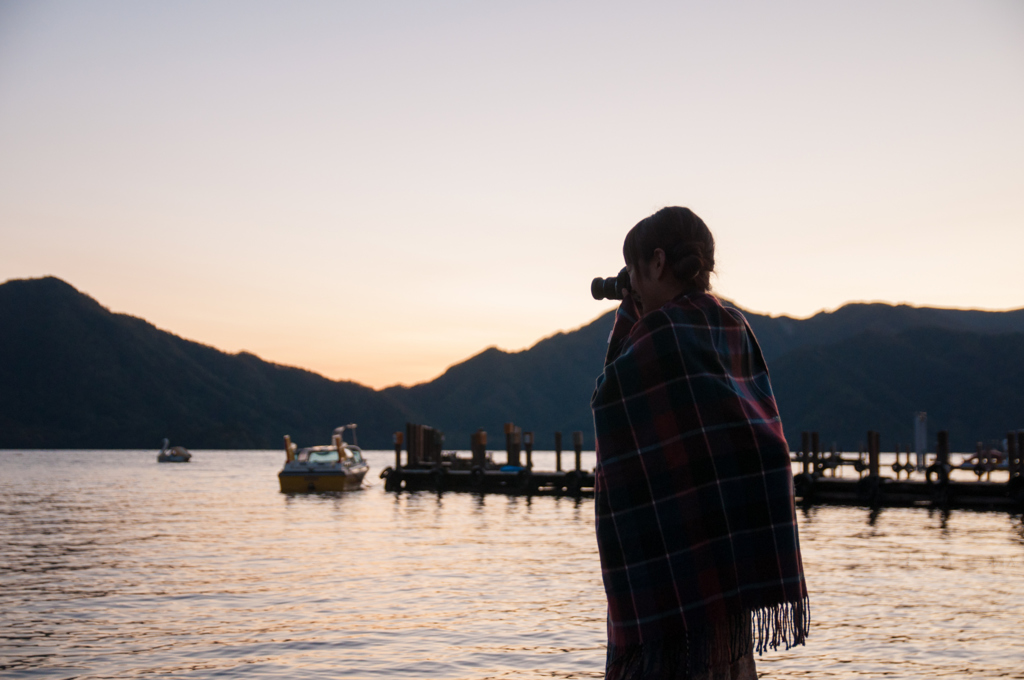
307, 482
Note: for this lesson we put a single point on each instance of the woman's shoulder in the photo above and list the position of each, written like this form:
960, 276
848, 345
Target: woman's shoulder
696, 312
704, 309
680, 317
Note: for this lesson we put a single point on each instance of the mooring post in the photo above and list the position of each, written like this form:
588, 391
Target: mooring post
413, 445
398, 450
509, 428
874, 444
577, 444
512, 435
870, 451
478, 445
1015, 465
989, 464
1013, 455
815, 453
1020, 453
558, 452
942, 456
805, 450
528, 445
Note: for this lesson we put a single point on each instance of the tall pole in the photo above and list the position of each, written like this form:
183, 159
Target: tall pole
577, 444
558, 451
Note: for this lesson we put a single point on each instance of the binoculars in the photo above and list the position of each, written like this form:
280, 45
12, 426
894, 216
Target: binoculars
610, 288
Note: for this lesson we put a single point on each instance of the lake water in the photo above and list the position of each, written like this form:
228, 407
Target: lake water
114, 566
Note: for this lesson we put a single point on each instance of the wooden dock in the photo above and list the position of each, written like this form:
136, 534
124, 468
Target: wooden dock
818, 480
523, 481
887, 492
933, 486
428, 468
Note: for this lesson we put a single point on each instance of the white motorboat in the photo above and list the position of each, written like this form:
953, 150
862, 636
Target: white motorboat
338, 466
173, 454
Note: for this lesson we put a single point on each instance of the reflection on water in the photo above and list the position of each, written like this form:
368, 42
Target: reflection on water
115, 566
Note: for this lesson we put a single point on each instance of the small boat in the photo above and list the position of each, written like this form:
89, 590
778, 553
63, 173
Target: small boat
336, 467
173, 454
986, 461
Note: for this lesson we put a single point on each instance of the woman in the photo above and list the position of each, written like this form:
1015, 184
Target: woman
696, 526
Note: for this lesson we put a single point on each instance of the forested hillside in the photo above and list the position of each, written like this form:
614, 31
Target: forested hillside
73, 374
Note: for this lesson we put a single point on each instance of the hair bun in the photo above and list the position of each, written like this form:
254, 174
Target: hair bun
687, 267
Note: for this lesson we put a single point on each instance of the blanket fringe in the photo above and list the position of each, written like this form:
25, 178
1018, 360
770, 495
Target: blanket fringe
786, 624
695, 651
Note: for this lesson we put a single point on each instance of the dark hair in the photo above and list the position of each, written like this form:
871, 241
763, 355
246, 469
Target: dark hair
688, 244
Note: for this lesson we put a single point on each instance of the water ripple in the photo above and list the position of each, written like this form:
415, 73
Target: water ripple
116, 567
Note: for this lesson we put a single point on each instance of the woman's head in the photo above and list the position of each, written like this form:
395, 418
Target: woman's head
684, 238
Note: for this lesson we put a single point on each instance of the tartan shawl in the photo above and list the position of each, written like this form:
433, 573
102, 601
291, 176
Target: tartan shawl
696, 526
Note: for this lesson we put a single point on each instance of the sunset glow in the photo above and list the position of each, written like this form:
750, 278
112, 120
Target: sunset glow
375, 191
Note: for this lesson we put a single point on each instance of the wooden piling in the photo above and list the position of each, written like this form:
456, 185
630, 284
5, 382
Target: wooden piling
398, 450
815, 453
423, 445
478, 448
990, 462
805, 451
1020, 453
558, 452
413, 444
874, 446
509, 429
577, 444
513, 437
528, 445
942, 455
1014, 455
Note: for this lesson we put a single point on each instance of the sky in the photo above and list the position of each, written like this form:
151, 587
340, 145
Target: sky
378, 190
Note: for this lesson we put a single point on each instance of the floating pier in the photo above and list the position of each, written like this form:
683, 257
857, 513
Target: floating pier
819, 475
428, 468
930, 485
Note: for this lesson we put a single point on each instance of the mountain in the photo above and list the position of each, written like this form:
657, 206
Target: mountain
971, 384
780, 335
545, 389
840, 373
73, 374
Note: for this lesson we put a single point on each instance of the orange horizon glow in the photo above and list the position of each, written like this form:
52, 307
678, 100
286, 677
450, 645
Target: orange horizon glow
378, 192
424, 365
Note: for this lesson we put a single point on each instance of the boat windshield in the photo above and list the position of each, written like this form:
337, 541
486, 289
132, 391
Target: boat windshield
329, 455
323, 456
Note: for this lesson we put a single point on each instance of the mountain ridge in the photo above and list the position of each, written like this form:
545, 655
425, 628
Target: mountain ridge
73, 374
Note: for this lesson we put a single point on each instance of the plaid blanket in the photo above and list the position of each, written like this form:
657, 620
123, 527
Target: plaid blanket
696, 526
